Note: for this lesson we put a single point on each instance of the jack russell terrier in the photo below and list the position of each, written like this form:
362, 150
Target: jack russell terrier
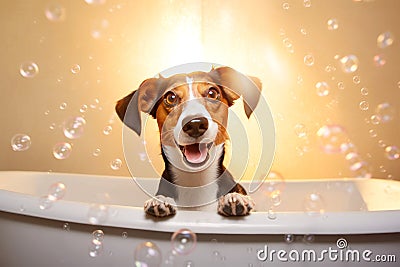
192, 112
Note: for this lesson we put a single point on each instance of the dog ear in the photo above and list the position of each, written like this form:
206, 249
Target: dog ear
238, 84
143, 99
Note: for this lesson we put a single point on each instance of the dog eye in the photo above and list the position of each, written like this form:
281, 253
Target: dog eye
170, 99
213, 93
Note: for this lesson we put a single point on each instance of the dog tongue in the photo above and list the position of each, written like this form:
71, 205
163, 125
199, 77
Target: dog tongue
196, 153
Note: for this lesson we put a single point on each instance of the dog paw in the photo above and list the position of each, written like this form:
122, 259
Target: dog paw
160, 206
235, 204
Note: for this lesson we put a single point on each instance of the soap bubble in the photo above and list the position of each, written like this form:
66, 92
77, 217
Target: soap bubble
349, 63
66, 227
98, 235
271, 214
332, 138
147, 254
375, 120
385, 112
379, 60
308, 239
55, 12
392, 152
63, 106
45, 202
314, 204
322, 88
97, 213
356, 79
289, 238
332, 24
341, 85
56, 191
373, 133
83, 108
276, 199
124, 235
97, 152
75, 69
62, 150
95, 2
183, 241
385, 39
116, 164
288, 44
360, 169
307, 3
364, 91
29, 69
107, 130
274, 183
309, 60
300, 130
285, 6
73, 127
20, 142
364, 105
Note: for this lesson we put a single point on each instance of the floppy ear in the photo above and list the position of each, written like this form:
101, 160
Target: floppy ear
237, 84
143, 99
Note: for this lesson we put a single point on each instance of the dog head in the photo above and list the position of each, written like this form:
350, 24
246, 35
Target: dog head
191, 111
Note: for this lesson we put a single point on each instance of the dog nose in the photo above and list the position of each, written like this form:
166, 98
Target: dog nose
195, 127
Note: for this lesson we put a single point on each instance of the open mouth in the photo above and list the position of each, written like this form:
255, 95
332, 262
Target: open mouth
196, 154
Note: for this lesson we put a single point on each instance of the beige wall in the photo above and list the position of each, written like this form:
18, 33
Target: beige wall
120, 43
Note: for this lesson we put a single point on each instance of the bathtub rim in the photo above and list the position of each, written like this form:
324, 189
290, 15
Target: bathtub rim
357, 222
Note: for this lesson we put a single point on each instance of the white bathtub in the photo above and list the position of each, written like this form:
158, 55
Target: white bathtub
364, 212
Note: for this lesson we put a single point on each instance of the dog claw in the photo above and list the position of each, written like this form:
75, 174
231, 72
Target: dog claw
235, 204
160, 206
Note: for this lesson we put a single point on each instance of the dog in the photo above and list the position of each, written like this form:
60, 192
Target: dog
192, 112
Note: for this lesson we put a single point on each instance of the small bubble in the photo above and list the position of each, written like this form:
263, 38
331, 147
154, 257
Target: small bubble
322, 88
183, 241
73, 127
375, 119
364, 91
62, 150
271, 214
56, 191
308, 239
288, 44
147, 254
379, 60
97, 152
116, 164
75, 69
45, 203
83, 109
274, 183
52, 126
300, 130
124, 235
308, 60
385, 39
188, 264
55, 12
364, 105
95, 2
276, 199
97, 213
289, 238
285, 6
307, 3
63, 106
332, 138
360, 169
392, 152
349, 63
66, 227
28, 69
372, 133
314, 204
385, 112
341, 85
303, 31
398, 84
333, 24
107, 130
356, 79
98, 235
381, 143
20, 142
95, 248
330, 68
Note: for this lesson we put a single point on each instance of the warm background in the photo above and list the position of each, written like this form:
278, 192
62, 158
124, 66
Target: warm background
91, 53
